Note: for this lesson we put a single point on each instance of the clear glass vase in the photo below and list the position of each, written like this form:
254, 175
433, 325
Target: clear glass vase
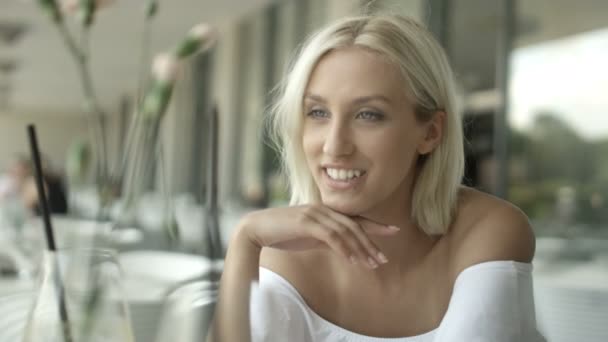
80, 298
188, 312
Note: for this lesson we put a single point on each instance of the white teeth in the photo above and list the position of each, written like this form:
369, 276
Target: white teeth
333, 173
342, 174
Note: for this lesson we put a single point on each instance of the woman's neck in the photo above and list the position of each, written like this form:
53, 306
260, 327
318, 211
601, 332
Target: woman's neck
407, 248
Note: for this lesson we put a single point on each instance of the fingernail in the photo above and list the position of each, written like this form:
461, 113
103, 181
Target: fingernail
372, 263
382, 257
394, 228
353, 260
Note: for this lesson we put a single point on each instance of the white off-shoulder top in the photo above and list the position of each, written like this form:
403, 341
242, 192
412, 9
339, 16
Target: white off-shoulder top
491, 302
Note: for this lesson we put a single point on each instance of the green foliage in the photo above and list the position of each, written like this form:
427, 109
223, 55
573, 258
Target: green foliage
553, 156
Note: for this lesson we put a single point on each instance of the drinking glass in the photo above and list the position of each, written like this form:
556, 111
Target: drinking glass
79, 298
188, 312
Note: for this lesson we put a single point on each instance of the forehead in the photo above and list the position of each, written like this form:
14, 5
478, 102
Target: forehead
355, 71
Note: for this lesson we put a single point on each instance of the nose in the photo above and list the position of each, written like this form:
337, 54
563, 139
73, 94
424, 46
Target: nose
338, 140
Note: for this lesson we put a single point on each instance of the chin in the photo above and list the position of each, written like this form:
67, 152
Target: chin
348, 208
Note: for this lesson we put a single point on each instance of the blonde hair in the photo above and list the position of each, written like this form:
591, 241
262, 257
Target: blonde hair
426, 71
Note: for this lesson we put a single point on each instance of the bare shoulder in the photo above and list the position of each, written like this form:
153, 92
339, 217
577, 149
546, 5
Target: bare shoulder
297, 267
489, 228
275, 260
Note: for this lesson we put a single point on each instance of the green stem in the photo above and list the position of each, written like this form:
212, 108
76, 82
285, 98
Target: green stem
69, 41
121, 168
143, 137
80, 55
130, 172
144, 59
93, 106
169, 207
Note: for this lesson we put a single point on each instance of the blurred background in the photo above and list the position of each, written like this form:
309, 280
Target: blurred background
532, 83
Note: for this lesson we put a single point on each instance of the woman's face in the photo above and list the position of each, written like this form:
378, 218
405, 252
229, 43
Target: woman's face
360, 135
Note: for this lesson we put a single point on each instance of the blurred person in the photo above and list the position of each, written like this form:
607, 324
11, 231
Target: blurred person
13, 212
12, 182
55, 191
381, 242
19, 185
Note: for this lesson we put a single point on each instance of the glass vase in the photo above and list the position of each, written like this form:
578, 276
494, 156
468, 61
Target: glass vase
79, 298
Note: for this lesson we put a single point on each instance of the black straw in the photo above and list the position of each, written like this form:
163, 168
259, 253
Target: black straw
44, 204
48, 229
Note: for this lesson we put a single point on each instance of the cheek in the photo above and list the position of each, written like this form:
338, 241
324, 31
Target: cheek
310, 143
393, 154
312, 138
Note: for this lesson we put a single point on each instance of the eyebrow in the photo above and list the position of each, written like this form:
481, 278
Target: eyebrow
358, 100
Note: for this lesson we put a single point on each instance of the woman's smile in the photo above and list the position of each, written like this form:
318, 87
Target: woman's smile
340, 179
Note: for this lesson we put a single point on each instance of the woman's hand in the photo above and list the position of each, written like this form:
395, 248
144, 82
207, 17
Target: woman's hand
316, 226
290, 228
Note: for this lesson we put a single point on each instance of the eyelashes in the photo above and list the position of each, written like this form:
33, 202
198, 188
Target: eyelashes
317, 113
365, 115
370, 116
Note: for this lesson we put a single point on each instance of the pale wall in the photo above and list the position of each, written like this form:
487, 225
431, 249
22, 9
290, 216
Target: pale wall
55, 134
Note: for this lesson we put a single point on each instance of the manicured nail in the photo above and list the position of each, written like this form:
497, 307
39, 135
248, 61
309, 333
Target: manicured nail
372, 263
382, 257
353, 260
394, 228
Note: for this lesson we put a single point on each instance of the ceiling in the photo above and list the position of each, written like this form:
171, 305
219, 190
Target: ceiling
45, 78
474, 27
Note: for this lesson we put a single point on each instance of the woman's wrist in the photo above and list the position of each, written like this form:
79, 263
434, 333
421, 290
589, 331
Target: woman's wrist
244, 238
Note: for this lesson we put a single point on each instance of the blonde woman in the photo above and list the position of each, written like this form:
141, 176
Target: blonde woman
381, 242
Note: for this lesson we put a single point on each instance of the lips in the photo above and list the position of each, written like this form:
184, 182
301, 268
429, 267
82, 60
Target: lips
343, 174
342, 178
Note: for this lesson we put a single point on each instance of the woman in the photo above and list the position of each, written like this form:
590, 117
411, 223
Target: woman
381, 242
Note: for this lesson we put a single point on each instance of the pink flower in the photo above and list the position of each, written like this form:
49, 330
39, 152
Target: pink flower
205, 34
200, 38
165, 67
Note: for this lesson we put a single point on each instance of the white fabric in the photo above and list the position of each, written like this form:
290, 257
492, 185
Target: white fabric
491, 301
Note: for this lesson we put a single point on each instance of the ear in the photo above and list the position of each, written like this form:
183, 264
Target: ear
433, 132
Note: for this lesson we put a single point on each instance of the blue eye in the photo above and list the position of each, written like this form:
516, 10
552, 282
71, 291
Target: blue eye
370, 116
318, 113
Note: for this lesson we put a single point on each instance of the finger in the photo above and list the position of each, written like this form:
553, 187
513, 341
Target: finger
373, 257
372, 249
330, 238
376, 228
346, 233
337, 230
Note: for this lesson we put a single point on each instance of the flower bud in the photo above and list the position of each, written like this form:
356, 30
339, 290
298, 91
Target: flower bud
86, 12
157, 100
151, 8
201, 37
50, 6
165, 67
